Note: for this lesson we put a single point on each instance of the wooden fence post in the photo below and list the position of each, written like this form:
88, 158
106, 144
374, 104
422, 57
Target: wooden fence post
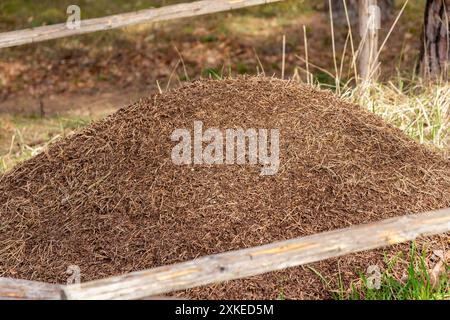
369, 23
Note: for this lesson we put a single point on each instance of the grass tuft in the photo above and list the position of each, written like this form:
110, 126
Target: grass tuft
414, 285
422, 111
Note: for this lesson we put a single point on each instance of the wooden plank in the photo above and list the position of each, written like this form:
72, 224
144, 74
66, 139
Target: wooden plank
253, 261
16, 289
20, 37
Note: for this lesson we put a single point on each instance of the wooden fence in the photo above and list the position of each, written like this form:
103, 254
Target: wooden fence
239, 264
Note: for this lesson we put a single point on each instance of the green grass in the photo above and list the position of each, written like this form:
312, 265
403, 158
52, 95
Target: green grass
213, 73
415, 285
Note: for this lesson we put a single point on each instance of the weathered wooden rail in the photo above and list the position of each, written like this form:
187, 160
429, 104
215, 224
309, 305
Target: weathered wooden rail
183, 10
241, 263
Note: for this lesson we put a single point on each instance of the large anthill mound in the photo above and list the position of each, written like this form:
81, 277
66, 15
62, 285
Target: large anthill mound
110, 200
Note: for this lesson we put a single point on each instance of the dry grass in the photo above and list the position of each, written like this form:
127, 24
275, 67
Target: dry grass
420, 110
24, 136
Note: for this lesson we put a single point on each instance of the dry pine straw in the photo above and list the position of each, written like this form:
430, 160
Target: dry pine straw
109, 199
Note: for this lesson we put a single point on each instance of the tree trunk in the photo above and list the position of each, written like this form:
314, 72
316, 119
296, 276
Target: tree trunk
435, 49
339, 17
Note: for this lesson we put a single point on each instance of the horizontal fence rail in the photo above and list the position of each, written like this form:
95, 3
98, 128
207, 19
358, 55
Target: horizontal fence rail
240, 263
16, 289
262, 259
184, 10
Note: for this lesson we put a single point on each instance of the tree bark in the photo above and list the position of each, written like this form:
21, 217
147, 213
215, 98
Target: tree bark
435, 49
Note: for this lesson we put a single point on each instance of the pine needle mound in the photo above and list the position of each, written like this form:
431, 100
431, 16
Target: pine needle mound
110, 200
